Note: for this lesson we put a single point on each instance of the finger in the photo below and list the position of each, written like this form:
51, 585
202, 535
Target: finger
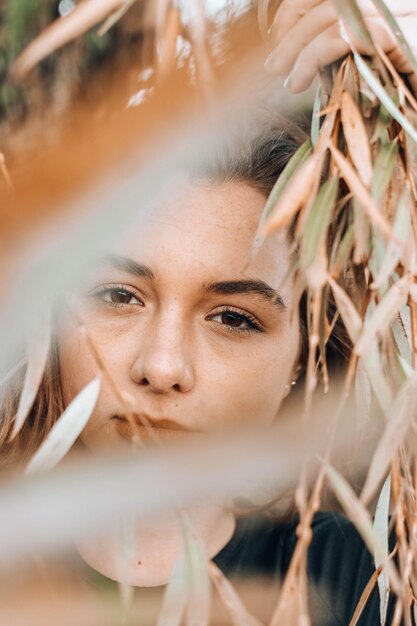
319, 19
323, 50
408, 26
288, 14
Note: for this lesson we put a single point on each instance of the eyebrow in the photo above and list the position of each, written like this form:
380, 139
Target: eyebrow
258, 287
124, 264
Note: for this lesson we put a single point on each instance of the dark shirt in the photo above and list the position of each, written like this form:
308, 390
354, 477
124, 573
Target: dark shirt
339, 565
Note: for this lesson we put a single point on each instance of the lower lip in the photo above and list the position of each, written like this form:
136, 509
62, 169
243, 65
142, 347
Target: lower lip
150, 434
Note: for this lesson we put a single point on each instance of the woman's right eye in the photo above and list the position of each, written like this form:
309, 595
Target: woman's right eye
117, 296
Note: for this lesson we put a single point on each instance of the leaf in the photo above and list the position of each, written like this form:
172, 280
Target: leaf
356, 138
362, 394
401, 412
383, 168
115, 17
315, 118
347, 310
318, 221
198, 608
294, 196
360, 192
395, 249
383, 96
351, 14
65, 431
175, 596
239, 616
36, 357
397, 32
374, 369
86, 14
360, 517
370, 585
383, 315
381, 531
292, 166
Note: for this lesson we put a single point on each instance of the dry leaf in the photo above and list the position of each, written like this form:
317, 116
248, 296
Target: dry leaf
347, 310
356, 138
175, 596
239, 616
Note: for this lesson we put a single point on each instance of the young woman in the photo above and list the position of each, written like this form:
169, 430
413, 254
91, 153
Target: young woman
199, 336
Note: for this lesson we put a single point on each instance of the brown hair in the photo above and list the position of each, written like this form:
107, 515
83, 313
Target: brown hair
256, 156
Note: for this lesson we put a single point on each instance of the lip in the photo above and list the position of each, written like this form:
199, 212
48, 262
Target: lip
151, 430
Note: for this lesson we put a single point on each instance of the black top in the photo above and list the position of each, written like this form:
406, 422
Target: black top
339, 565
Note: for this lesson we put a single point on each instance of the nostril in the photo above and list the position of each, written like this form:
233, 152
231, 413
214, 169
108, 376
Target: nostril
177, 387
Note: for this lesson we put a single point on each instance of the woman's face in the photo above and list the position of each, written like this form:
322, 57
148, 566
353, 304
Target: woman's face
194, 332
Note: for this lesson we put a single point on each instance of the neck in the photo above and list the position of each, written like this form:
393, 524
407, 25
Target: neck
143, 554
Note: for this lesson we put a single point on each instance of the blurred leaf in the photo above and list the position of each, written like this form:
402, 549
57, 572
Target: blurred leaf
343, 251
292, 166
351, 14
360, 517
356, 138
239, 616
115, 17
383, 168
318, 221
401, 411
360, 192
263, 6
66, 430
36, 358
401, 230
383, 315
383, 96
381, 531
315, 118
362, 230
397, 32
86, 14
199, 597
295, 194
347, 310
373, 366
175, 596
362, 394
370, 585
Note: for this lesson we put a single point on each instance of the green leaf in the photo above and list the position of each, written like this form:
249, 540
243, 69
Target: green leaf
397, 32
318, 221
315, 118
383, 96
383, 168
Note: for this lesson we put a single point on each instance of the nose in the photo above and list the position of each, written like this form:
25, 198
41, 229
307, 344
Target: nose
164, 360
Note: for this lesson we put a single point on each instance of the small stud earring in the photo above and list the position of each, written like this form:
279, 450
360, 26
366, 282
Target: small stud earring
289, 385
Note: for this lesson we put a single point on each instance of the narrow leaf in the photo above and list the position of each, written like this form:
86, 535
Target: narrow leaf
381, 531
175, 596
383, 315
296, 193
351, 14
36, 357
356, 138
315, 118
360, 517
370, 585
86, 14
383, 96
401, 412
383, 168
198, 607
397, 32
347, 310
318, 221
360, 192
66, 430
239, 616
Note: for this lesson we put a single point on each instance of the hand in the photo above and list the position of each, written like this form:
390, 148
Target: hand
305, 36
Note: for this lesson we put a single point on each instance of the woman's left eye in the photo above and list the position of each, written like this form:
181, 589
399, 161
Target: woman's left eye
237, 321
117, 296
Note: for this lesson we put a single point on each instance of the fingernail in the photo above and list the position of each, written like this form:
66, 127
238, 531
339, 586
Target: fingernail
288, 82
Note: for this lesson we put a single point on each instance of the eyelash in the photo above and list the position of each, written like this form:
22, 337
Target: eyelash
251, 321
100, 292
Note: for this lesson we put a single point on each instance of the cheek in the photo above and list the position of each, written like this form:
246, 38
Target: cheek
248, 386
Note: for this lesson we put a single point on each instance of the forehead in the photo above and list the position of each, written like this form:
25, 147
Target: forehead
206, 226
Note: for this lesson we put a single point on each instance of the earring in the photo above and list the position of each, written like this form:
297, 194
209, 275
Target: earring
289, 385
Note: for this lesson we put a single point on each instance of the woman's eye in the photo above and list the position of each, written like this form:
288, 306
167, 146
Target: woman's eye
117, 296
237, 321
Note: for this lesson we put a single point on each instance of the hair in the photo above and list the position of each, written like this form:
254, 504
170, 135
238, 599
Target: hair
257, 157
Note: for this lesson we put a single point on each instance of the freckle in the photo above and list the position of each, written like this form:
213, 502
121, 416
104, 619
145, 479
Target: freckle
139, 562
